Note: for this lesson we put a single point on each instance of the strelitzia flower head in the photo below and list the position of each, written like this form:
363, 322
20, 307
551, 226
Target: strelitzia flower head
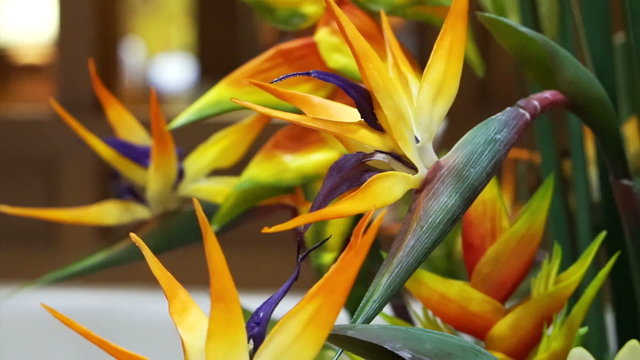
498, 254
397, 113
154, 178
300, 334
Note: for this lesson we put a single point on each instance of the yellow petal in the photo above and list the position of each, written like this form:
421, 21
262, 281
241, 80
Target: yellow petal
579, 353
630, 351
127, 168
292, 56
483, 224
227, 337
187, 316
123, 123
311, 105
456, 302
301, 333
386, 90
331, 44
163, 165
506, 263
213, 189
381, 190
223, 149
109, 212
441, 77
397, 60
109, 347
358, 131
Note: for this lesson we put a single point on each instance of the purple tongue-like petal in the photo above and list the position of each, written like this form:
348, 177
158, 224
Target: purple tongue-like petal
259, 321
360, 95
348, 172
140, 154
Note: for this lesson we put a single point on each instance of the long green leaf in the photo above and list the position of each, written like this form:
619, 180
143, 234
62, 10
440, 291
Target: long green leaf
552, 67
377, 342
448, 190
177, 229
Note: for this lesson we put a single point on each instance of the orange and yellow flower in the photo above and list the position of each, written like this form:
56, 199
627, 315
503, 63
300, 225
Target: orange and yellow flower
154, 177
300, 334
407, 110
324, 50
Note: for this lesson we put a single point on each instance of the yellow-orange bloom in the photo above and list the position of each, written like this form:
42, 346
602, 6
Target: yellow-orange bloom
300, 334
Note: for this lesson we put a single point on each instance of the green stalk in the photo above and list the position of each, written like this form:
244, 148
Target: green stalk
595, 339
559, 224
632, 10
596, 41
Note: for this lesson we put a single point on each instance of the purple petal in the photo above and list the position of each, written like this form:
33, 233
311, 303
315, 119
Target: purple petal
348, 172
259, 321
140, 154
359, 94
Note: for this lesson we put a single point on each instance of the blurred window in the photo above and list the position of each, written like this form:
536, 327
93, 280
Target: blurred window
28, 34
157, 47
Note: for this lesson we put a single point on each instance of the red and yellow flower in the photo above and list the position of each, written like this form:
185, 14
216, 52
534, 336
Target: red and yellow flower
498, 254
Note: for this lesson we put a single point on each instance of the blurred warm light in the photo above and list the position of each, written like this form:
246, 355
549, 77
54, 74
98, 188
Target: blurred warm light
29, 29
173, 72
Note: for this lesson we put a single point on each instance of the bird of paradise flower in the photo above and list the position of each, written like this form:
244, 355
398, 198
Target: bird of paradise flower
324, 50
498, 254
396, 116
300, 334
155, 178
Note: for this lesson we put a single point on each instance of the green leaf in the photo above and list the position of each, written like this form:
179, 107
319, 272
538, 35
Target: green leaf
294, 156
288, 15
552, 67
174, 230
448, 190
399, 342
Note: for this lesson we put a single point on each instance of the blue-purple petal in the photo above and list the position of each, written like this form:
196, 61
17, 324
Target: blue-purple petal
348, 172
359, 94
258, 323
140, 154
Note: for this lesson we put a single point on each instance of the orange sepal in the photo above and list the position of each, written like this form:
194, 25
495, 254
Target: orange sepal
456, 302
109, 347
483, 224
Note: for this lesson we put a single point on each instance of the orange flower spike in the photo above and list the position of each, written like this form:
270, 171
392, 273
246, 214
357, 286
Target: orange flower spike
226, 335
123, 123
521, 329
456, 302
189, 319
109, 347
483, 223
506, 263
163, 164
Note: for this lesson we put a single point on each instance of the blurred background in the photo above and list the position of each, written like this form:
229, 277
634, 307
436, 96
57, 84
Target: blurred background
181, 48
